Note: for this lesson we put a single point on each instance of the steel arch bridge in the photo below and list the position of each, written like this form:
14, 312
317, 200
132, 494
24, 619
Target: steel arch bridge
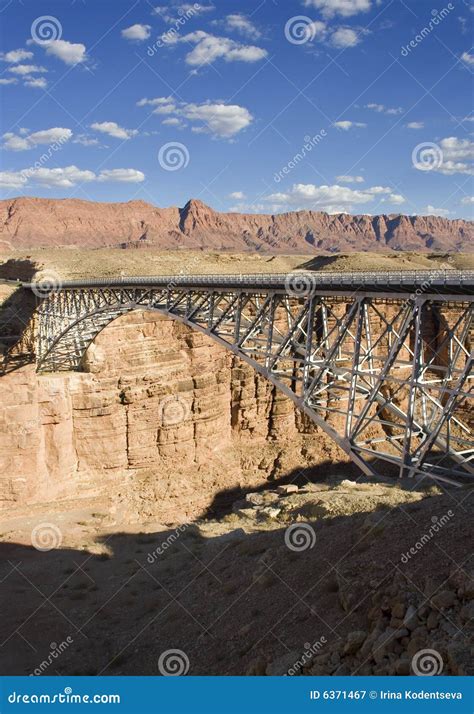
382, 362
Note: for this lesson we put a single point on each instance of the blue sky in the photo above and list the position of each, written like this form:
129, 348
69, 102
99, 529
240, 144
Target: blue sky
362, 106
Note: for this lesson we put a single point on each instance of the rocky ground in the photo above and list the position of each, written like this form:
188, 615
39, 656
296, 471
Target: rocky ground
338, 578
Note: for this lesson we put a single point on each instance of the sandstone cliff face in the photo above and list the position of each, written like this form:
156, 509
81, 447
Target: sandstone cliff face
162, 421
35, 223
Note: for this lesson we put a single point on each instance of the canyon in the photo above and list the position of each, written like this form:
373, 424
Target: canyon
168, 474
105, 432
29, 223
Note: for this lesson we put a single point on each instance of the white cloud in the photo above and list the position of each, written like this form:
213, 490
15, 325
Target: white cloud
332, 199
467, 58
113, 129
69, 52
382, 109
467, 200
222, 120
13, 142
12, 179
237, 195
24, 69
350, 179
458, 155
346, 125
137, 32
85, 140
346, 8
121, 176
242, 24
415, 125
16, 55
165, 109
12, 80
339, 37
396, 198
186, 10
66, 177
210, 47
172, 121
345, 37
432, 211
61, 178
36, 83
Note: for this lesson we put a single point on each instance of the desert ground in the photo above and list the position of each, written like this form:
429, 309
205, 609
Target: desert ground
76, 264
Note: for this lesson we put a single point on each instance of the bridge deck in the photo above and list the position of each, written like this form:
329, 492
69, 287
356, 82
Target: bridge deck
400, 282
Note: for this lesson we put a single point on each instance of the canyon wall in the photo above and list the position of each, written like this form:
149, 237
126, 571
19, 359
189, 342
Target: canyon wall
28, 223
161, 421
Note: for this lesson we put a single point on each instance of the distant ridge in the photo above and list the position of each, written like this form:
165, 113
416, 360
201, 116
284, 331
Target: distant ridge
27, 223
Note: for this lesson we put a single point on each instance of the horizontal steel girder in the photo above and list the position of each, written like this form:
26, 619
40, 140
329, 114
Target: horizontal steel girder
388, 378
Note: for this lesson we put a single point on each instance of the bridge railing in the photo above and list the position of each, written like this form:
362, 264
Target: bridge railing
289, 281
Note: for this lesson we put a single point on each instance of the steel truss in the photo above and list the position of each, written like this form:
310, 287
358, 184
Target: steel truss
388, 378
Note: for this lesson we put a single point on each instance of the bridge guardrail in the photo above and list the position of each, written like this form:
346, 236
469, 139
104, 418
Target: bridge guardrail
406, 278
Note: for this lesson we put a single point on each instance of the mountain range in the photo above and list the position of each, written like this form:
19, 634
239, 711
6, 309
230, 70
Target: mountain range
28, 223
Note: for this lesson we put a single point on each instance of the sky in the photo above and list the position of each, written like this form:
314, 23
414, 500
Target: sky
264, 106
